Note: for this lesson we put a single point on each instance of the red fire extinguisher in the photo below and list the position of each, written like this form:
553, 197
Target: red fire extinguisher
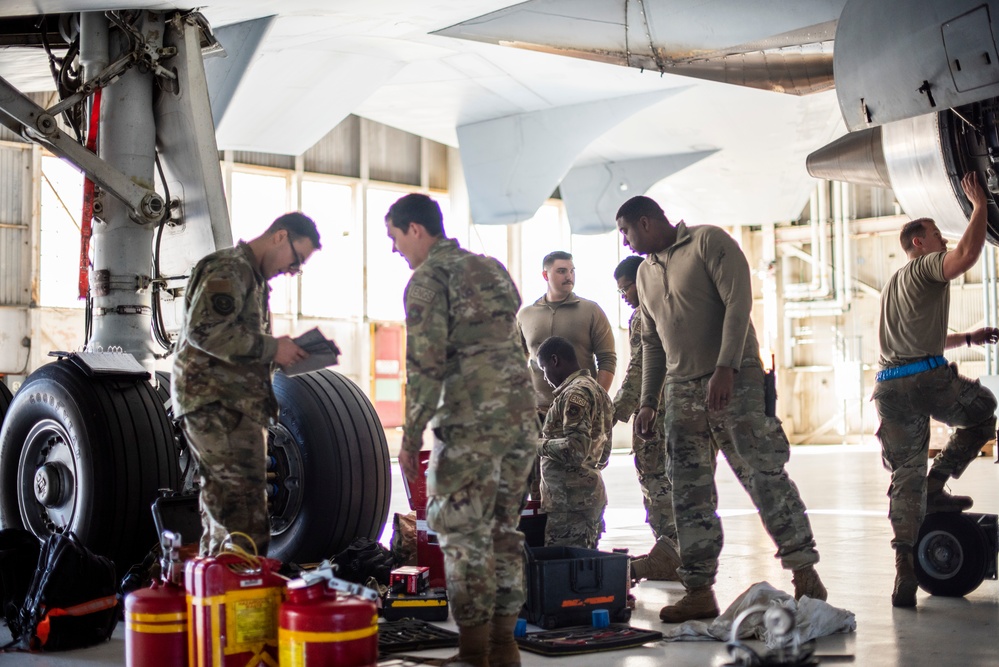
233, 601
319, 627
156, 617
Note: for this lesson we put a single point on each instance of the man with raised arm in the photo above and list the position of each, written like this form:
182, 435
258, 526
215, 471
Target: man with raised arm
916, 382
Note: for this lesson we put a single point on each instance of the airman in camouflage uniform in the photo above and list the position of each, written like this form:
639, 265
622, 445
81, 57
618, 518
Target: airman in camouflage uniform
221, 381
917, 383
698, 339
650, 455
575, 446
466, 373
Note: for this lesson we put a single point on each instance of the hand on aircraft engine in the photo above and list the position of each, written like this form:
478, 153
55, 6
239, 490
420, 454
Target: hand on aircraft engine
973, 190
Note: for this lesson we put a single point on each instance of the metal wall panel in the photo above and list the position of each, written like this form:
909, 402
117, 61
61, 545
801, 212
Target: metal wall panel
437, 165
339, 152
15, 219
264, 159
393, 155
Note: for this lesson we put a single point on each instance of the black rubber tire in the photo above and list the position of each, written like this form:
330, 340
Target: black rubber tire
161, 385
345, 481
111, 444
5, 398
950, 555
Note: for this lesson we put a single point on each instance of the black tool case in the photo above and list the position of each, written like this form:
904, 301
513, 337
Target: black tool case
566, 584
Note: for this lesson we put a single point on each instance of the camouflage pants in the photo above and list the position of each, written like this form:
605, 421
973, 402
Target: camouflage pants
905, 406
756, 449
231, 452
657, 489
477, 481
574, 529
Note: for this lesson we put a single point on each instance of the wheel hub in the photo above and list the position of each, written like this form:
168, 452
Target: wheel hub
52, 482
47, 484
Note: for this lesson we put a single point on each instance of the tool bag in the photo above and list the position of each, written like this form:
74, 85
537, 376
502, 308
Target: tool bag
72, 601
365, 559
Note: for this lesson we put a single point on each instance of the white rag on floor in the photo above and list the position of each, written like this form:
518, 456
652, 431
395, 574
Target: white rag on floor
812, 618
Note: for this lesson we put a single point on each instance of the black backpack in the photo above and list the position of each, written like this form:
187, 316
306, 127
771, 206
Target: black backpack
19, 550
72, 601
365, 559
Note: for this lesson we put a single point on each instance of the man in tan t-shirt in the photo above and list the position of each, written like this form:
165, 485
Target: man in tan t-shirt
917, 383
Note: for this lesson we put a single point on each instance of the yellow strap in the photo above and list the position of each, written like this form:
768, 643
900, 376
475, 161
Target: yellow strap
157, 618
146, 628
419, 603
261, 655
307, 637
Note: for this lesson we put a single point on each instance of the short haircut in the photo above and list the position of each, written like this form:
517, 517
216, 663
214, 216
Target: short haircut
418, 208
636, 207
628, 268
912, 229
298, 225
549, 260
558, 346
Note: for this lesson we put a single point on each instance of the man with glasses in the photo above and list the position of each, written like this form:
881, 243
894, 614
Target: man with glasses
698, 339
222, 369
650, 453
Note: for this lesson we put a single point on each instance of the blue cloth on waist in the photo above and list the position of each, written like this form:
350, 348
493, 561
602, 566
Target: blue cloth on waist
905, 370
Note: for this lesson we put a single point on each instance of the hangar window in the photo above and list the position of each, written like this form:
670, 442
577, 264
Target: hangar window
331, 279
255, 201
59, 247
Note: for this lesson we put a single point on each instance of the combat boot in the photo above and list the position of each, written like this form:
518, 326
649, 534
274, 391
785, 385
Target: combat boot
806, 582
696, 604
473, 647
904, 593
937, 498
503, 650
659, 564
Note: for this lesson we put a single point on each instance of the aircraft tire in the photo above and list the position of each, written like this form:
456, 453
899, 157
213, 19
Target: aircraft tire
5, 398
333, 482
87, 454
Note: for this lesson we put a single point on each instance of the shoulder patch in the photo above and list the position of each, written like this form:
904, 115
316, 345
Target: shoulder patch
218, 285
573, 411
223, 304
576, 399
422, 293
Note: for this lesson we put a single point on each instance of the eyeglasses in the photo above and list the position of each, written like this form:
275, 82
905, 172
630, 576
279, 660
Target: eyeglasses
624, 290
296, 267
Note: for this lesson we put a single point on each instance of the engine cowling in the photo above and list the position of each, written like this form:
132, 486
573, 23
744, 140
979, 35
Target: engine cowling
922, 159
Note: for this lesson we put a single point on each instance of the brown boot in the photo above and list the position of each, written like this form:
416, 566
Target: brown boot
473, 647
659, 564
904, 593
806, 582
697, 603
938, 500
503, 651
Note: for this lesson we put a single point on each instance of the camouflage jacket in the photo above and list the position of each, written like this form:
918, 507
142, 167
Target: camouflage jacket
626, 402
225, 349
576, 445
464, 361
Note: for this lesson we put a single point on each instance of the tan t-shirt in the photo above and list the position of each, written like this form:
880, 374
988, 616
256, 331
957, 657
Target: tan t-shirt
914, 308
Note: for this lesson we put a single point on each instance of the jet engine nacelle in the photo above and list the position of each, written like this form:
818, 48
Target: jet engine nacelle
918, 83
922, 159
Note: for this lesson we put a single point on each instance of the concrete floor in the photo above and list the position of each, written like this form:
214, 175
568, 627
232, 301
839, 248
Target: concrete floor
844, 488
